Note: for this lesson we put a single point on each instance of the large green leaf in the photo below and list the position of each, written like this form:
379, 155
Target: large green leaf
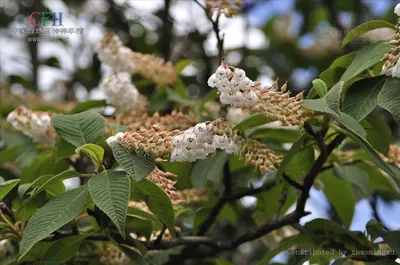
341, 196
208, 169
280, 135
110, 192
344, 61
133, 256
137, 165
64, 149
366, 58
358, 31
158, 202
7, 186
301, 163
378, 132
54, 214
362, 97
45, 181
377, 180
298, 240
94, 151
354, 175
90, 104
254, 120
64, 249
392, 238
329, 105
389, 98
289, 155
79, 129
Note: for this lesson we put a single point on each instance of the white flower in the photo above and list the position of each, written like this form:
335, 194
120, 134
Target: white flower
239, 73
221, 141
221, 72
251, 98
239, 100
213, 81
190, 140
396, 69
397, 10
224, 85
119, 91
229, 73
236, 84
177, 141
178, 155
225, 98
200, 129
231, 148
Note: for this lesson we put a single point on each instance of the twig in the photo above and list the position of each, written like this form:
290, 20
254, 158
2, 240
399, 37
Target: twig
282, 202
291, 182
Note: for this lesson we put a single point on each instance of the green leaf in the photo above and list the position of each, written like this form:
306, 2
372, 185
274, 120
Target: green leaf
344, 61
209, 168
9, 153
371, 152
94, 151
364, 28
176, 97
110, 192
64, 249
142, 226
377, 180
320, 87
45, 181
378, 132
389, 97
286, 244
64, 150
54, 214
133, 255
117, 127
158, 202
362, 97
301, 163
366, 58
354, 175
79, 129
7, 186
280, 135
182, 64
341, 196
90, 104
137, 165
333, 97
289, 155
392, 238
252, 121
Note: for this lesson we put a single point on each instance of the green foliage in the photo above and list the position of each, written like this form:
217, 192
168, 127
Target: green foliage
94, 151
364, 28
7, 186
252, 121
208, 169
110, 192
158, 202
64, 249
389, 97
320, 86
90, 104
64, 149
56, 213
79, 129
341, 196
367, 57
137, 165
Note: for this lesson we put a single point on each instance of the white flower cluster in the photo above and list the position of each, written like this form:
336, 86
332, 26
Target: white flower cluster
199, 141
115, 54
397, 9
392, 71
35, 125
235, 88
119, 91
